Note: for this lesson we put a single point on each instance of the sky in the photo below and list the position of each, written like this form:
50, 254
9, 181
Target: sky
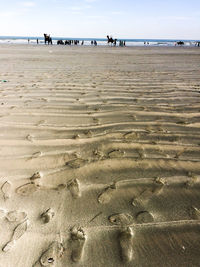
153, 19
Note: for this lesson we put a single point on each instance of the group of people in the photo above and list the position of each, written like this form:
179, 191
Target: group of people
48, 40
74, 42
94, 42
68, 42
122, 43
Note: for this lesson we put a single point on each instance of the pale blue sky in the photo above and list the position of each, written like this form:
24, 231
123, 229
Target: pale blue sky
97, 18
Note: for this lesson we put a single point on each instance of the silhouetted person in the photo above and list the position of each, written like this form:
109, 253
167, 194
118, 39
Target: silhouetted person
47, 39
180, 43
95, 42
28, 40
110, 40
92, 42
37, 41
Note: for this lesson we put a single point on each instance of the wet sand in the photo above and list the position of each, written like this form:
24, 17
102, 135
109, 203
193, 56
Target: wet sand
100, 156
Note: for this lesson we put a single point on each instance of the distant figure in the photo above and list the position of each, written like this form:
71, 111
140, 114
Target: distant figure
111, 40
92, 42
82, 43
67, 42
28, 40
124, 43
47, 39
180, 43
60, 42
95, 42
121, 43
37, 41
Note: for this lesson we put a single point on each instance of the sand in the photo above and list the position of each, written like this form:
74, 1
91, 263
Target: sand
100, 156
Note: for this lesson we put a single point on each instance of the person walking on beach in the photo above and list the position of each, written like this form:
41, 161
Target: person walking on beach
28, 40
37, 41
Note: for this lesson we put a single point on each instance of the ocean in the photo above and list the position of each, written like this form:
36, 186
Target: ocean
100, 41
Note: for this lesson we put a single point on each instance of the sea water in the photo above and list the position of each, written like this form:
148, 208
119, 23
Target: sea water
100, 41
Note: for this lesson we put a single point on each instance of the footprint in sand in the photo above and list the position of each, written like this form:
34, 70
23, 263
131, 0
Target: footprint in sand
98, 154
47, 216
36, 175
116, 153
36, 155
16, 216
6, 190
179, 153
76, 136
88, 133
141, 153
74, 187
194, 213
17, 233
144, 217
126, 244
191, 181
27, 189
40, 122
78, 239
146, 195
107, 194
76, 163
121, 219
29, 137
96, 120
51, 256
159, 181
131, 136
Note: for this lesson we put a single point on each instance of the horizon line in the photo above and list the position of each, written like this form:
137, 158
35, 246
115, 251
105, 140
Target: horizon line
85, 38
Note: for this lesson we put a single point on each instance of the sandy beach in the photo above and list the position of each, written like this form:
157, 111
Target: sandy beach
99, 156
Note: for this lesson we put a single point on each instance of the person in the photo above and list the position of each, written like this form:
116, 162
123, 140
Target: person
95, 42
28, 40
82, 43
37, 41
91, 42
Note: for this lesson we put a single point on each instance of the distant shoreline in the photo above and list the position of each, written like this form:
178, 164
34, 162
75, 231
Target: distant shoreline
100, 41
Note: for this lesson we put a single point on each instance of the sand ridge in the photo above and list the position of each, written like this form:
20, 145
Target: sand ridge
100, 152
